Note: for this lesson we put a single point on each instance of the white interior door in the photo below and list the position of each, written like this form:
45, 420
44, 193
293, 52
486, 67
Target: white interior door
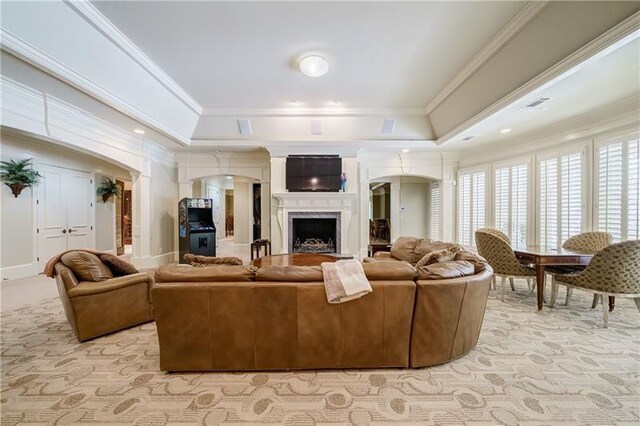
52, 213
79, 206
213, 192
65, 211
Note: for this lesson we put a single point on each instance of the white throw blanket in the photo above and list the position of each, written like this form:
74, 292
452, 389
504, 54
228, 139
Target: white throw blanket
344, 280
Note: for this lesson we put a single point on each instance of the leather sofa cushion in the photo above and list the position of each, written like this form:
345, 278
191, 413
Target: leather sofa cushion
389, 271
289, 273
404, 248
479, 262
202, 261
86, 266
187, 273
446, 270
426, 246
117, 266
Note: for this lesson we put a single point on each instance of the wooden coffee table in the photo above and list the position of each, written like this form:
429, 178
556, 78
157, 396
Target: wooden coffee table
293, 259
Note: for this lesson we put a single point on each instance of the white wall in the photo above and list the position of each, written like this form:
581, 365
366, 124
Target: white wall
19, 239
164, 208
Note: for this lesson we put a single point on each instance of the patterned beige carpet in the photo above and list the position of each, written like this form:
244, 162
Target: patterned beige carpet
558, 366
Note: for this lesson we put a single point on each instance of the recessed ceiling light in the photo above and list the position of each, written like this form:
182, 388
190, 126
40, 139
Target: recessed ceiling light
335, 102
294, 102
404, 151
228, 177
505, 130
313, 66
138, 131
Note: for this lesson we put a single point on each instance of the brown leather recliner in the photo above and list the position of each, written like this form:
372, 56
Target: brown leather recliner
94, 308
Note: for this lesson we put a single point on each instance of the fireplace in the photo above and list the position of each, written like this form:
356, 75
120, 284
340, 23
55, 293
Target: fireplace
314, 232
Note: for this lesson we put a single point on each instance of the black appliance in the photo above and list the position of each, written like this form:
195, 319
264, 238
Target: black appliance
320, 173
196, 231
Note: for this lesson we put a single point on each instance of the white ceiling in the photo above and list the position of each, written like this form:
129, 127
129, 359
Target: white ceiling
244, 55
601, 82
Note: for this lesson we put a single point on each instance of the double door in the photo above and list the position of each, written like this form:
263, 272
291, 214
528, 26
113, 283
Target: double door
65, 211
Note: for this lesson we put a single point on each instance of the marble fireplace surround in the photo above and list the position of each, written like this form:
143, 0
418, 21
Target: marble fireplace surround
337, 205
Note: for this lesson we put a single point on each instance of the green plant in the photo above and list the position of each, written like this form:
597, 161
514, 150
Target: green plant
108, 188
19, 175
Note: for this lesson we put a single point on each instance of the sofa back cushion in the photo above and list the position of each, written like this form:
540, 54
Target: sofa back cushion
446, 270
289, 273
404, 248
86, 266
187, 273
479, 262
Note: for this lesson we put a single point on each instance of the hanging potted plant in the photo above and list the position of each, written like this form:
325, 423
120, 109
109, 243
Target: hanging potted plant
108, 188
19, 175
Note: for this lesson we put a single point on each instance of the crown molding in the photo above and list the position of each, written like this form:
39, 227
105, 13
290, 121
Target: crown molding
311, 112
624, 32
511, 29
20, 48
92, 15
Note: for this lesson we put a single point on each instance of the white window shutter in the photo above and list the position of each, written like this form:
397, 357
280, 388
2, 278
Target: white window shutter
435, 211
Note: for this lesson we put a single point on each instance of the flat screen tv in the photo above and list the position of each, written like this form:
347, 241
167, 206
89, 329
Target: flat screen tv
307, 173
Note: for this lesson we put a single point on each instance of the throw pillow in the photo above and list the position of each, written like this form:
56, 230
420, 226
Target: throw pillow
479, 262
438, 256
86, 266
118, 266
203, 261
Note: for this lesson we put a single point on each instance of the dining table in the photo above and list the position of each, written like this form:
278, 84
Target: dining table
542, 256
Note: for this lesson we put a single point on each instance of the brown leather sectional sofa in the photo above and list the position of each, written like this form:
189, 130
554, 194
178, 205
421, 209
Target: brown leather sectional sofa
278, 318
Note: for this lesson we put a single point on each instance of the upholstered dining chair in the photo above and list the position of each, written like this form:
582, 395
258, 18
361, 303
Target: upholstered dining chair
613, 271
586, 242
497, 250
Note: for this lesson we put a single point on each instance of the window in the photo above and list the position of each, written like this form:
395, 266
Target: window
560, 190
510, 202
435, 211
471, 206
618, 189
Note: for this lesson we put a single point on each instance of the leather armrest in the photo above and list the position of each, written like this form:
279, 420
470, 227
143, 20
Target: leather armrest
87, 288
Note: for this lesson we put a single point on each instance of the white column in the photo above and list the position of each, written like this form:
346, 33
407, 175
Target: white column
363, 197
141, 220
448, 211
395, 209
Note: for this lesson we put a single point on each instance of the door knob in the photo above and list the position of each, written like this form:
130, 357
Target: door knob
64, 231
71, 230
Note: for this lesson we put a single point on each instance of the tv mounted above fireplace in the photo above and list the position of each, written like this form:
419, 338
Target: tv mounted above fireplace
309, 173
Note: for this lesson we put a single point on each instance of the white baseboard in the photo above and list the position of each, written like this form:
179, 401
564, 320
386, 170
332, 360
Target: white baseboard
19, 271
154, 261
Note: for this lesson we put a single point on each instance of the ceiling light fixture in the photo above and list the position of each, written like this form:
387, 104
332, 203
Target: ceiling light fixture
313, 66
404, 151
138, 131
505, 130
228, 177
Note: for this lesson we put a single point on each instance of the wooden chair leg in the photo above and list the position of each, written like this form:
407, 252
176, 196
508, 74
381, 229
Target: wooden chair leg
569, 293
605, 312
554, 293
594, 303
504, 279
513, 286
637, 300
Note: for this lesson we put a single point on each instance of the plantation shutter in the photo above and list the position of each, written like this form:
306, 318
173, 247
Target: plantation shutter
435, 211
471, 206
510, 202
619, 189
571, 196
548, 184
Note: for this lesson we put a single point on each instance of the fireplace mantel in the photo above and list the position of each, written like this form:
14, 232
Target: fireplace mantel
323, 200
340, 202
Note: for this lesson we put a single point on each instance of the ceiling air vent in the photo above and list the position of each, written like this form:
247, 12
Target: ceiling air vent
535, 104
316, 127
388, 126
245, 126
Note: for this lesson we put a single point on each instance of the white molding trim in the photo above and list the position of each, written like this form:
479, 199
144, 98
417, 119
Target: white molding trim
521, 20
312, 112
622, 33
36, 57
19, 271
89, 12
